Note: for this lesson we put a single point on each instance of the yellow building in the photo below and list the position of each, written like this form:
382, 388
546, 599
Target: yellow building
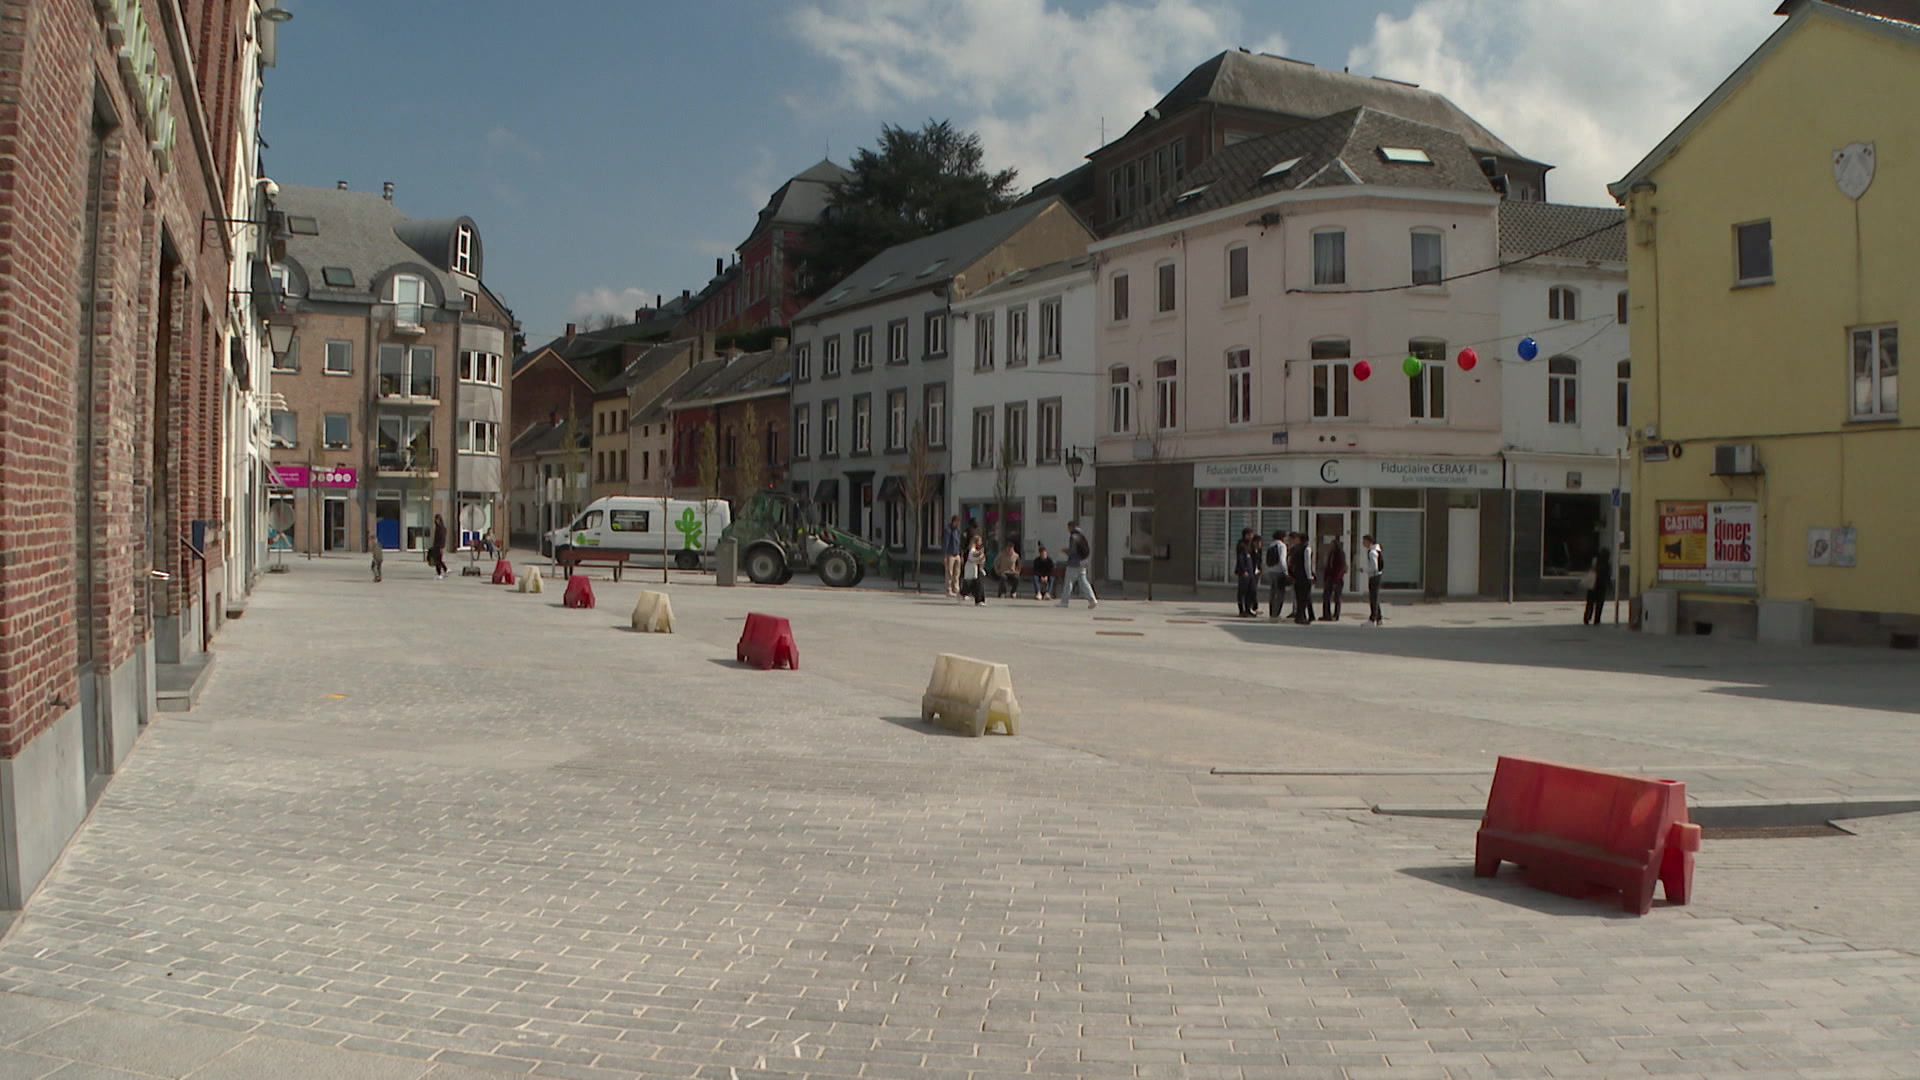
1772, 241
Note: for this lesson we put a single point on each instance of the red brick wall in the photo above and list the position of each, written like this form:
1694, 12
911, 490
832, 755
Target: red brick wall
52, 54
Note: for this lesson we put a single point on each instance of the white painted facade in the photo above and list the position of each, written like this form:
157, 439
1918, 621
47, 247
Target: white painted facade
1024, 385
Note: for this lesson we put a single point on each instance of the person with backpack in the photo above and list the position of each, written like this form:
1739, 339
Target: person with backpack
1079, 552
1246, 573
1374, 566
1335, 581
1275, 559
1300, 569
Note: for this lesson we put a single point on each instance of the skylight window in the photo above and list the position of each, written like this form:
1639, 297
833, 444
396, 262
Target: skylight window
884, 282
337, 277
300, 225
1192, 193
931, 267
1405, 155
838, 296
1281, 169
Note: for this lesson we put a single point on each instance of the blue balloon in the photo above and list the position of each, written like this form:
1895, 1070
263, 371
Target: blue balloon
1529, 348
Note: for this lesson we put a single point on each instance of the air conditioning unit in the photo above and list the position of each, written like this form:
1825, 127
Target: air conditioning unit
1734, 459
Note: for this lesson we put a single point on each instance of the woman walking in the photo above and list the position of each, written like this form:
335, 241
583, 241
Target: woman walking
437, 554
1599, 583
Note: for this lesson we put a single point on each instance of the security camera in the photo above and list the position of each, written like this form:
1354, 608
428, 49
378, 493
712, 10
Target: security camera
269, 188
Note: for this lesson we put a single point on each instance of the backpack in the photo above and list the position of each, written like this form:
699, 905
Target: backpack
1273, 555
1081, 550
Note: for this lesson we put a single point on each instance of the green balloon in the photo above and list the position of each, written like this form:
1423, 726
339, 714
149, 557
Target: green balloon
1411, 366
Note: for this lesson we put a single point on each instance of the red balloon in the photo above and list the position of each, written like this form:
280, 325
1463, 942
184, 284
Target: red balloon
1362, 370
1468, 358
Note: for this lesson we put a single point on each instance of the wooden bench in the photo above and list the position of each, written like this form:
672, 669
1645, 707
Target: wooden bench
574, 558
1575, 829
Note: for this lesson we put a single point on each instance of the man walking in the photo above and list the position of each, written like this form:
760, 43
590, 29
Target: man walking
1300, 569
437, 554
1078, 552
379, 556
1277, 580
1374, 564
950, 555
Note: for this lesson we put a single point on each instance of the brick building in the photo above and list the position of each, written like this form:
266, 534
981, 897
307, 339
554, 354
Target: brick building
120, 164
738, 415
764, 287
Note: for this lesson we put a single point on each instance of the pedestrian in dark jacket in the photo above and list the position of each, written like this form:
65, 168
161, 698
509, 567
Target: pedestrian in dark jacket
1334, 580
437, 554
1246, 572
1599, 587
1042, 568
1300, 569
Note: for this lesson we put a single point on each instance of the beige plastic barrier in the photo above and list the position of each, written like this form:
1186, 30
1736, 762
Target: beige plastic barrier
653, 613
970, 695
531, 581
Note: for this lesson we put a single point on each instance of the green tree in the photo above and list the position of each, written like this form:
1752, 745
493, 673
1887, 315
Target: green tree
916, 183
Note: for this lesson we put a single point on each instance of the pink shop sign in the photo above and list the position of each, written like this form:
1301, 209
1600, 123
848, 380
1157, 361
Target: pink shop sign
324, 476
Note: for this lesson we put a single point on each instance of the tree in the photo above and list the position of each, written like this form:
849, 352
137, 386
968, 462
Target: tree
709, 463
918, 487
1004, 489
750, 471
915, 184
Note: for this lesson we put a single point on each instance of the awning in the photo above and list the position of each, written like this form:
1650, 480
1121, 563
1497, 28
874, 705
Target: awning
827, 490
892, 490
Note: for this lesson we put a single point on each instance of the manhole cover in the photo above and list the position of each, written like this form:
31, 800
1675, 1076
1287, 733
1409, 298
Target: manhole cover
1776, 832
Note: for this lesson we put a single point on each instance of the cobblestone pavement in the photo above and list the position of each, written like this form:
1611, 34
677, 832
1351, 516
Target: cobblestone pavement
431, 829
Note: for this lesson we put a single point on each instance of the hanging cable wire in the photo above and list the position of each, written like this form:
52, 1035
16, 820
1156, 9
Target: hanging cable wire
1470, 273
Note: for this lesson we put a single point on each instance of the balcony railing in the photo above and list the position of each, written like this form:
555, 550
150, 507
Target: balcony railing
409, 318
425, 388
411, 462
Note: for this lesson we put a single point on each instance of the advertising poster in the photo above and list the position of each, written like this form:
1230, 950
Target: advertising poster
1710, 543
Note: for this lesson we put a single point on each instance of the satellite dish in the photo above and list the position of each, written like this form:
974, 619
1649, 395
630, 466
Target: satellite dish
1853, 169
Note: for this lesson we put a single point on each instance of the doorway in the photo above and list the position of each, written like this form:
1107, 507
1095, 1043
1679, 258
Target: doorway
1328, 526
334, 523
1129, 530
1463, 551
386, 520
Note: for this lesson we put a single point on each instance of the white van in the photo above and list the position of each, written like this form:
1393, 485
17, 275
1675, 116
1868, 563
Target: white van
638, 525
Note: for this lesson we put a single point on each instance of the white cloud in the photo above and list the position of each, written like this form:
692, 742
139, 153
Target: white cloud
506, 142
607, 300
1035, 81
1589, 88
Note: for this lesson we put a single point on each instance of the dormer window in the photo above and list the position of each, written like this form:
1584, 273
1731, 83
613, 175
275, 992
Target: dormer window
463, 250
1280, 170
1405, 155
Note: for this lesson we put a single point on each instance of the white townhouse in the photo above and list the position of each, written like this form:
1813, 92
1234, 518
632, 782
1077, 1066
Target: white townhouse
1023, 400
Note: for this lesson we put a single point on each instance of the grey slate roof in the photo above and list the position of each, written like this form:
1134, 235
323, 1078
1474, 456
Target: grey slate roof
1271, 84
687, 384
1530, 227
1340, 150
546, 436
801, 199
644, 365
903, 268
1052, 271
762, 373
587, 344
362, 232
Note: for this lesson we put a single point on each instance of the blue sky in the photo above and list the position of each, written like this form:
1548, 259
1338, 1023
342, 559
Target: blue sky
610, 149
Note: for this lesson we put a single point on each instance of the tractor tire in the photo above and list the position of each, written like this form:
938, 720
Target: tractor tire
838, 568
766, 566
686, 559
861, 575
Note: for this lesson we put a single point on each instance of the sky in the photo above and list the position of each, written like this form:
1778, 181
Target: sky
610, 150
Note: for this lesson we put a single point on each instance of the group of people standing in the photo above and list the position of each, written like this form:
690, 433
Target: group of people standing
964, 554
1287, 562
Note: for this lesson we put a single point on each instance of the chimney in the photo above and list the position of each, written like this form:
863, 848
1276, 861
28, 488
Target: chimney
570, 331
780, 344
553, 416
386, 191
340, 185
719, 266
686, 295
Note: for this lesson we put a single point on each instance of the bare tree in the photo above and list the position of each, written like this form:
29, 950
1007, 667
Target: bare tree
572, 461
1005, 488
918, 486
749, 471
709, 463
604, 321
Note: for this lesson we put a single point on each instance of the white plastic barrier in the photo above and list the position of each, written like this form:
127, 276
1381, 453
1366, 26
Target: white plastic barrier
653, 613
531, 581
970, 695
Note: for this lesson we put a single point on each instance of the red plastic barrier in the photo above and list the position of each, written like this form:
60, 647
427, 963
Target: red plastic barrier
1576, 829
502, 572
579, 592
766, 642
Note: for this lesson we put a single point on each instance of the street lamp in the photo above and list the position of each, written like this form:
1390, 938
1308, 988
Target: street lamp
280, 338
1075, 462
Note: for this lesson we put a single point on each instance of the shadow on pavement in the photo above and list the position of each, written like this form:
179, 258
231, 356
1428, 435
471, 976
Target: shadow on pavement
933, 731
1509, 888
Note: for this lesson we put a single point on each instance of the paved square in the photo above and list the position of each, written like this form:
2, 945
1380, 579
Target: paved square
437, 829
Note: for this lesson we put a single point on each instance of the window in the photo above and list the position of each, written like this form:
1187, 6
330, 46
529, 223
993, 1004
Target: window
479, 437
897, 341
1332, 375
469, 301
1016, 434
802, 431
1120, 400
1753, 244
408, 295
1623, 382
337, 277
896, 419
1426, 257
1017, 336
802, 363
1164, 291
1876, 373
1166, 394
829, 428
936, 333
302, 225
862, 349
1620, 307
646, 465
463, 250
982, 437
983, 341
1050, 329
1239, 386
936, 415
1330, 257
1405, 155
336, 428
480, 367
1236, 272
628, 520
407, 371
1427, 391
863, 424
339, 358
1562, 303
730, 447
1047, 437
289, 360
830, 357
1120, 297
1563, 379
